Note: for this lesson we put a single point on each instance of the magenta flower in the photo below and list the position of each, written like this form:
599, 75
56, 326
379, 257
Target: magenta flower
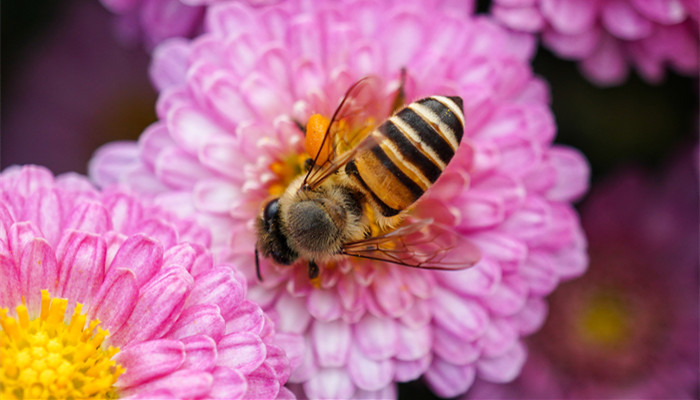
152, 316
226, 141
609, 36
636, 310
152, 21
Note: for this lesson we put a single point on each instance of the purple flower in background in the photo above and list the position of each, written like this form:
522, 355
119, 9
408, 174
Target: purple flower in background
152, 316
227, 140
72, 90
152, 21
629, 328
609, 36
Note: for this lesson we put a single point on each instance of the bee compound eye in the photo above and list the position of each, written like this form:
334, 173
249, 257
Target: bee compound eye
270, 212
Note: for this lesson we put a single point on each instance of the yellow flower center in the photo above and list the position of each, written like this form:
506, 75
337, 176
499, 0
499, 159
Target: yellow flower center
604, 321
47, 358
286, 169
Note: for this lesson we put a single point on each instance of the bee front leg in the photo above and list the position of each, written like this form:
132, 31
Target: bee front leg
313, 270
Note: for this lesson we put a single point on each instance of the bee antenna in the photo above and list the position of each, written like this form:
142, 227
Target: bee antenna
257, 265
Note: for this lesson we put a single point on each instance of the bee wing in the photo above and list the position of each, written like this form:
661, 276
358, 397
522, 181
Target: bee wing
359, 111
422, 244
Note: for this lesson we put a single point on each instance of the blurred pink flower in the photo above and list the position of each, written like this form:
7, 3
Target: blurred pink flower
609, 36
226, 140
183, 325
152, 21
629, 328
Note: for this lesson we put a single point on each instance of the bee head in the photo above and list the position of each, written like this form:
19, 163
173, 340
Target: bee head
272, 241
316, 226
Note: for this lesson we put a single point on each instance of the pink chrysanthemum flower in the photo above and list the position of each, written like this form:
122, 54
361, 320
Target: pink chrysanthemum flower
609, 36
152, 316
152, 21
227, 140
629, 328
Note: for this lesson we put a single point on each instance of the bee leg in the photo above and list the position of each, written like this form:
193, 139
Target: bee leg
313, 270
400, 98
308, 163
257, 266
300, 126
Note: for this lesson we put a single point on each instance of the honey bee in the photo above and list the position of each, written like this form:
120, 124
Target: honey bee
360, 184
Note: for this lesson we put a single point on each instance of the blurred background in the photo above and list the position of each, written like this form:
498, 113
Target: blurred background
628, 328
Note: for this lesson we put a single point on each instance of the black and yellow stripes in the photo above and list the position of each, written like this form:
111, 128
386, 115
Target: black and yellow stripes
408, 152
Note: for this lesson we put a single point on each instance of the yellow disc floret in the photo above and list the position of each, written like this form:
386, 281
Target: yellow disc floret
47, 358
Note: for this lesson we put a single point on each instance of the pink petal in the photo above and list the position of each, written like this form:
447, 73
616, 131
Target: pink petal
331, 342
413, 343
368, 374
573, 174
509, 297
81, 267
293, 346
506, 249
200, 353
448, 380
199, 319
293, 316
504, 368
662, 11
540, 273
278, 361
228, 384
479, 280
387, 392
324, 305
21, 234
89, 216
219, 286
191, 129
620, 19
125, 210
177, 169
454, 348
606, 66
531, 318
391, 299
410, 370
377, 338
215, 196
308, 367
418, 315
262, 383
182, 383
147, 360
481, 210
330, 383
526, 19
110, 161
242, 351
461, 316
573, 47
153, 140
158, 306
169, 63
38, 270
159, 230
141, 255
247, 317
570, 16
498, 337
115, 299
47, 212
10, 285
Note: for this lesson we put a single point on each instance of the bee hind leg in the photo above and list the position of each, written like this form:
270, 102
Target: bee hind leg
313, 270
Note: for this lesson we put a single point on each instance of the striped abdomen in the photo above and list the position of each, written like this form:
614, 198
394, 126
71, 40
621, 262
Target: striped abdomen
408, 152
